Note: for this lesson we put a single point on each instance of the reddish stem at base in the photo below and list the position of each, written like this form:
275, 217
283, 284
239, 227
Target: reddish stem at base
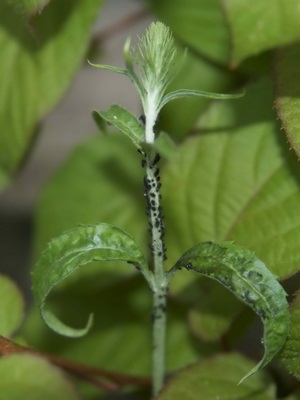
87, 373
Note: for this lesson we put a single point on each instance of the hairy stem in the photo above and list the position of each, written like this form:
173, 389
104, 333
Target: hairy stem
156, 229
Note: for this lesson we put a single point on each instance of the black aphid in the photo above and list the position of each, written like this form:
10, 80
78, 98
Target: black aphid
141, 152
143, 119
156, 159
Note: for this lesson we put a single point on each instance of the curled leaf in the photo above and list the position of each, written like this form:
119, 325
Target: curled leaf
247, 277
74, 249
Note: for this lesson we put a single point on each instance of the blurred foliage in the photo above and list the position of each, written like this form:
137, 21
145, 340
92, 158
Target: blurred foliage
38, 61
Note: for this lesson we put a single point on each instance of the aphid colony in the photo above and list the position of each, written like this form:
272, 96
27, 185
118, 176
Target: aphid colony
154, 210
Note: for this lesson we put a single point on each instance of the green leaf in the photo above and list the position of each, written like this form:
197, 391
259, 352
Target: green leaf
194, 19
247, 277
36, 69
180, 93
164, 145
102, 180
26, 377
73, 250
295, 396
235, 181
190, 21
216, 378
178, 117
28, 8
111, 68
290, 354
209, 318
101, 124
130, 66
125, 122
11, 306
287, 102
261, 27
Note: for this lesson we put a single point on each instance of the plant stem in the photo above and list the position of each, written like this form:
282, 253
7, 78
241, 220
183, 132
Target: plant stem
159, 335
156, 229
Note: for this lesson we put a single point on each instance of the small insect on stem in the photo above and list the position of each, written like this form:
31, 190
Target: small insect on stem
142, 119
155, 161
155, 126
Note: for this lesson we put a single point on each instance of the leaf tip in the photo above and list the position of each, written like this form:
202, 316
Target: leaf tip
65, 330
250, 373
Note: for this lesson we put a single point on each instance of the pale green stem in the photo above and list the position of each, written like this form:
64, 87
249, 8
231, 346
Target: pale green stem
154, 212
159, 336
150, 105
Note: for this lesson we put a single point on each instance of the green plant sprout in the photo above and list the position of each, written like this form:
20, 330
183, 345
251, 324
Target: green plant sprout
151, 65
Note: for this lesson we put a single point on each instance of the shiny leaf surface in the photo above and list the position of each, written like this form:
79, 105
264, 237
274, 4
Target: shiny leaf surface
102, 181
74, 249
247, 277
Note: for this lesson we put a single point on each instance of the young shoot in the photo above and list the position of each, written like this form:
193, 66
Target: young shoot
155, 57
150, 65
